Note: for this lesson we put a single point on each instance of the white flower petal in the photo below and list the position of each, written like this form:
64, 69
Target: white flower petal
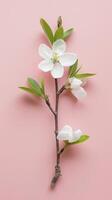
46, 66
45, 52
67, 128
57, 71
59, 46
68, 59
79, 93
75, 83
65, 133
76, 135
63, 136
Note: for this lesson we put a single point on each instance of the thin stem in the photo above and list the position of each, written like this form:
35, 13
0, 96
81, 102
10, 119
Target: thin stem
49, 106
57, 167
63, 148
61, 89
56, 119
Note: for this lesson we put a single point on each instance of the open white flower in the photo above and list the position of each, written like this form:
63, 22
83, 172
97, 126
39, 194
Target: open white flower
69, 134
55, 58
76, 88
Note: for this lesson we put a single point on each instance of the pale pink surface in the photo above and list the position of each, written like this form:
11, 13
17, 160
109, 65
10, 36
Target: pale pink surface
27, 145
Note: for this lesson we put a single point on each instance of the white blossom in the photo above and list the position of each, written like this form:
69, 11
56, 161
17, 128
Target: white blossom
67, 133
76, 87
55, 58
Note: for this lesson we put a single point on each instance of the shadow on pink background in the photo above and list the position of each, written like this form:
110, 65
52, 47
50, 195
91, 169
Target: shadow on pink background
27, 145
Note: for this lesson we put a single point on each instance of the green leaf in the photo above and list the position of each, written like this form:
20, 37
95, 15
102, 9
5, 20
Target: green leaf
42, 86
27, 89
73, 69
35, 87
83, 138
47, 30
68, 33
32, 83
58, 33
85, 75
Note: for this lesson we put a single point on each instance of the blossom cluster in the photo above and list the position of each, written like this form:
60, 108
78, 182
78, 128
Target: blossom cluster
56, 59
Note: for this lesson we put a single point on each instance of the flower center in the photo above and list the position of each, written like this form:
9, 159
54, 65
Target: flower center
55, 58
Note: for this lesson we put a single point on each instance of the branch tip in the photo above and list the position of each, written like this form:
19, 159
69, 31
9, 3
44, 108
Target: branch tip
56, 176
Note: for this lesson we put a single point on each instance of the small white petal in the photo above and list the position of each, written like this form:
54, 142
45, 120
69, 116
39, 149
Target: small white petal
76, 135
46, 66
63, 136
68, 59
67, 128
75, 83
65, 133
59, 46
45, 52
57, 71
79, 93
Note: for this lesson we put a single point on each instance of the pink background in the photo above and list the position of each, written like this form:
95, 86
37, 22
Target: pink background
27, 145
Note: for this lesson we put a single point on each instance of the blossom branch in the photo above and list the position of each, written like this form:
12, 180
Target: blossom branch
54, 60
57, 167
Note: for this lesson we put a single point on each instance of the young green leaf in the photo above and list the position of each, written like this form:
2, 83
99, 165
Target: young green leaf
67, 33
83, 138
73, 69
58, 33
42, 86
35, 86
32, 83
85, 75
29, 90
47, 30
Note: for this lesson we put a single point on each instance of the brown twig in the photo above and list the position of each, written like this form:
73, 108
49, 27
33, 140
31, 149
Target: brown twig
61, 89
49, 106
57, 93
57, 167
63, 148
